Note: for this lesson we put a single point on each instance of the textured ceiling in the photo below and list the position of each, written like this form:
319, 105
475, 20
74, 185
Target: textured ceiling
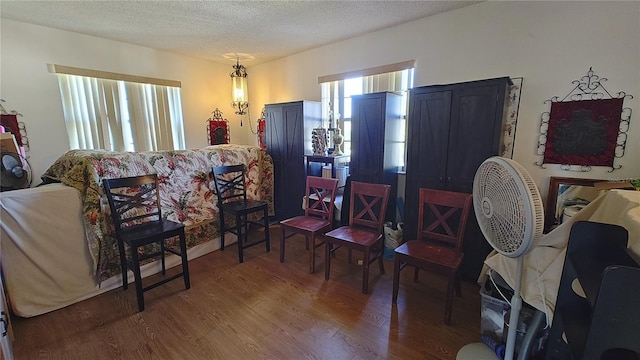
266, 30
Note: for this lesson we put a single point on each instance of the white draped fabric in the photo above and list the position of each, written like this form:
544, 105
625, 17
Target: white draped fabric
543, 265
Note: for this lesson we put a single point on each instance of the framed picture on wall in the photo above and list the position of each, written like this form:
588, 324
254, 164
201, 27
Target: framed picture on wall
586, 128
583, 132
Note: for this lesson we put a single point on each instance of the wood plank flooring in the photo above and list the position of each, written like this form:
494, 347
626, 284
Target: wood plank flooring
261, 309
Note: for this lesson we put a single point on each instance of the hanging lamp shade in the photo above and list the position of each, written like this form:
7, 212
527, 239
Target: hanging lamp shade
239, 88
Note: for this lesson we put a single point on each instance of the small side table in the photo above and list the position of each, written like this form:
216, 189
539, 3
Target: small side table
327, 160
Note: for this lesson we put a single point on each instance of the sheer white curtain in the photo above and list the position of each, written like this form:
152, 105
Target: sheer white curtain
120, 115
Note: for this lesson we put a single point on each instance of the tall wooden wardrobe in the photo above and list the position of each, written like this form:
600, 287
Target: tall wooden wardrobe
377, 147
452, 129
288, 138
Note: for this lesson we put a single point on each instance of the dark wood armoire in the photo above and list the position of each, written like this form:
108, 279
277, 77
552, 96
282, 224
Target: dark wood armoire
377, 147
452, 129
288, 138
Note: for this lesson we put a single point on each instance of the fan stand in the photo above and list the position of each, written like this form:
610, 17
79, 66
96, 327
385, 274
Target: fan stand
516, 306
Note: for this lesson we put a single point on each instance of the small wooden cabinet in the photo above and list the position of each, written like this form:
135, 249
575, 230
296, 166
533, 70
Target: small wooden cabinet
597, 313
288, 138
377, 146
452, 129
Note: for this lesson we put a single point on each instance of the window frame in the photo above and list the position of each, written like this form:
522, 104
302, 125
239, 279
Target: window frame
334, 90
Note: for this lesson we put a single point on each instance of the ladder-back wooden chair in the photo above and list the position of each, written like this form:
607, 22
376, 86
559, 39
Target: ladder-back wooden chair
137, 217
232, 199
317, 219
442, 219
368, 206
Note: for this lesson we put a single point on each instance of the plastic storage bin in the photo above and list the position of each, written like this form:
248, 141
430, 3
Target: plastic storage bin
492, 311
494, 319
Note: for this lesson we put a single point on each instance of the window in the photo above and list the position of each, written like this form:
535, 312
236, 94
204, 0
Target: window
338, 90
120, 115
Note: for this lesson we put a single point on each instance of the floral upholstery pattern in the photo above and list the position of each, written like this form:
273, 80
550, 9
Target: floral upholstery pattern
187, 192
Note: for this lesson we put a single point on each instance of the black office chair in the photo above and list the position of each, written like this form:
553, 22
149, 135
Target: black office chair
232, 199
137, 217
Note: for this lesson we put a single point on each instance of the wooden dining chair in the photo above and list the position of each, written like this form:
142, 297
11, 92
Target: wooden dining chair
232, 199
442, 219
317, 219
137, 217
368, 206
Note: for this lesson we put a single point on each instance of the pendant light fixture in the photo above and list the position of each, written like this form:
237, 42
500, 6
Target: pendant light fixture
239, 88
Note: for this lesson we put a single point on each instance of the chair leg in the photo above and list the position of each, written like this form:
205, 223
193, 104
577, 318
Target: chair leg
449, 299
222, 229
282, 237
415, 273
137, 277
265, 216
185, 261
396, 278
380, 259
123, 265
327, 258
458, 287
239, 231
311, 239
365, 271
162, 258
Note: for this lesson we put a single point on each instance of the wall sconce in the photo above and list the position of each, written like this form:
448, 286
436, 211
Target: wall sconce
239, 88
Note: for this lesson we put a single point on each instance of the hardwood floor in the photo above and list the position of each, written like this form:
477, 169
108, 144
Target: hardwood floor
261, 309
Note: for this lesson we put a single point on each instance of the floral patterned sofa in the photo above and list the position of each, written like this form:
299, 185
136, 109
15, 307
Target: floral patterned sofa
186, 189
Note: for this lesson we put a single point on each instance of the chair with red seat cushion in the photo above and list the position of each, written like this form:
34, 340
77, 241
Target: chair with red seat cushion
317, 218
368, 205
442, 219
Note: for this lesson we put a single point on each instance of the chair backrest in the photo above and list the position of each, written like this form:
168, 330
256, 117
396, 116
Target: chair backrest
368, 204
320, 197
442, 217
133, 201
230, 183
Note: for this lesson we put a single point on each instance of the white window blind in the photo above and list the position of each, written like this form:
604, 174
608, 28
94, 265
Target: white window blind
121, 115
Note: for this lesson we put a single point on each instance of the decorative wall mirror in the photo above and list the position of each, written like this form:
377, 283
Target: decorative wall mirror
566, 196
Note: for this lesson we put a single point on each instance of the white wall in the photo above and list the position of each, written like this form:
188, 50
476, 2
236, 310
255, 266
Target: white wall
28, 87
550, 44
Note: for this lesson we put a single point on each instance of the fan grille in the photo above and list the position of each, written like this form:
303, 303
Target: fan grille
15, 172
507, 205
